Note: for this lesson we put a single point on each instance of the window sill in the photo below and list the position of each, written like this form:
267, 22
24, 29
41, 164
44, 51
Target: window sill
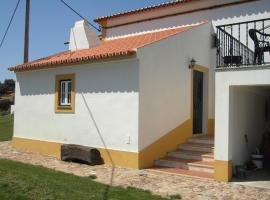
64, 109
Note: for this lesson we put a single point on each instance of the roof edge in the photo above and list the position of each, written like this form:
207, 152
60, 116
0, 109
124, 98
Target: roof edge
75, 61
101, 19
161, 5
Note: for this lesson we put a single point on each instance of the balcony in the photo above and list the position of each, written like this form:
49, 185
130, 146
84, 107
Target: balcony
243, 44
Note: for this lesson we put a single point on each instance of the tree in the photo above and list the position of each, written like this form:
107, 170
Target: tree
7, 86
10, 84
3, 89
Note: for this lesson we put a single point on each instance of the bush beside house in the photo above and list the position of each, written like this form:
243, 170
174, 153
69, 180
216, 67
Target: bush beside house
7, 89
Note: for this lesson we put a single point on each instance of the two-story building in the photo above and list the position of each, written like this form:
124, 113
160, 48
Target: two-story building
181, 86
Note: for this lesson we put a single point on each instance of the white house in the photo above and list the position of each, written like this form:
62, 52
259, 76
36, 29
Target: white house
149, 86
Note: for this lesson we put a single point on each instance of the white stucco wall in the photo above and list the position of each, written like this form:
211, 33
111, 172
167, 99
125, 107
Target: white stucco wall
110, 90
220, 16
165, 81
247, 117
224, 80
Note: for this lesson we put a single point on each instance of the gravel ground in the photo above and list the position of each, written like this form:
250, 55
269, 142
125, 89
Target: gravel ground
159, 183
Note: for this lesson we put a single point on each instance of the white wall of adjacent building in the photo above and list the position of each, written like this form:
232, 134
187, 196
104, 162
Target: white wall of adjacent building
109, 90
238, 111
165, 81
253, 10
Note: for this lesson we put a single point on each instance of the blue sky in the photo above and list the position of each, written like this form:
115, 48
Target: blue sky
50, 22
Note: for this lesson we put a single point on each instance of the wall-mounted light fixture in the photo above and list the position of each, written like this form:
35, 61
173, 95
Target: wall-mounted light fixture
192, 63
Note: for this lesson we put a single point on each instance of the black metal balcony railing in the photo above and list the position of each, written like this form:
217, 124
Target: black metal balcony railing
246, 43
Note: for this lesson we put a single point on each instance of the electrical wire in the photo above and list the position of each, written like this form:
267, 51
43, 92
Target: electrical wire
98, 29
10, 21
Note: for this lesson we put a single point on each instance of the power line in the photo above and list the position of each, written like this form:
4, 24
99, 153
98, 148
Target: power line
10, 21
98, 29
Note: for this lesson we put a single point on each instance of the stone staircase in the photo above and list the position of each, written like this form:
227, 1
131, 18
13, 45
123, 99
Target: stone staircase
195, 156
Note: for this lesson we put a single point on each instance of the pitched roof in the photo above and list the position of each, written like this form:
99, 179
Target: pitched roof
113, 48
147, 8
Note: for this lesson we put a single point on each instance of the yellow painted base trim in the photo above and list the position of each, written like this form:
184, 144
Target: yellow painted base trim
120, 158
165, 144
110, 157
211, 126
37, 146
223, 170
143, 159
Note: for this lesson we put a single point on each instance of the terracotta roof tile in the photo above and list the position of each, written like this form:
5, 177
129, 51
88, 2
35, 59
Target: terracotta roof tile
161, 5
113, 48
154, 7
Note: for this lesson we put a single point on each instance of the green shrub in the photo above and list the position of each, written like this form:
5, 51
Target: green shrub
3, 113
5, 105
135, 189
175, 196
92, 177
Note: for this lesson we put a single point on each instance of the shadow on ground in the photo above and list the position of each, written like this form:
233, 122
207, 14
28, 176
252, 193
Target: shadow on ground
256, 178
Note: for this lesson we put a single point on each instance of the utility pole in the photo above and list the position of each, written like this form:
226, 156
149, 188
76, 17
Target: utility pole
26, 31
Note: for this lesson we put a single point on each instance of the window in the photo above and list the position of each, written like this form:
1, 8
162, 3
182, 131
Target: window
64, 93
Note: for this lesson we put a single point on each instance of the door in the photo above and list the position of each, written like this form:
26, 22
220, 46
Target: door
197, 102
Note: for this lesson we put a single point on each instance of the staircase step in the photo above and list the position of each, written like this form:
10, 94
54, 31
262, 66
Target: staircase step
192, 155
202, 166
196, 147
183, 172
202, 140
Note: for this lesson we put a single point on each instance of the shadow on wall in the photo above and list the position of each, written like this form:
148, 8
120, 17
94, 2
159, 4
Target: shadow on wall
105, 195
113, 77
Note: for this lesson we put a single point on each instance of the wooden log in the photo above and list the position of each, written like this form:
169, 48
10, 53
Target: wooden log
81, 154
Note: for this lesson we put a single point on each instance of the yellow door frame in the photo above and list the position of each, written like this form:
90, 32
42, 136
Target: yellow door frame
205, 72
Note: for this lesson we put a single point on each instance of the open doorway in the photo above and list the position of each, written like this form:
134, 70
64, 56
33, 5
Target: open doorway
249, 134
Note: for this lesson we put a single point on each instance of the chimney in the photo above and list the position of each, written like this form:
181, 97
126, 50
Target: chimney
82, 37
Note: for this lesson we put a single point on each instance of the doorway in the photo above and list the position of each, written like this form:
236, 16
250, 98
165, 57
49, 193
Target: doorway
198, 101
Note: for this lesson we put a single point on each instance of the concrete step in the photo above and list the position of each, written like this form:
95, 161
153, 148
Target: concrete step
201, 166
209, 148
192, 155
202, 140
183, 172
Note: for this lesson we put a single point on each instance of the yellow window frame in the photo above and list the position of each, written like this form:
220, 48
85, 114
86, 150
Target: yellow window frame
64, 109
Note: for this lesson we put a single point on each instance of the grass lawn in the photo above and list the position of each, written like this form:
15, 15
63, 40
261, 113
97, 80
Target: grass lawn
22, 182
6, 127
